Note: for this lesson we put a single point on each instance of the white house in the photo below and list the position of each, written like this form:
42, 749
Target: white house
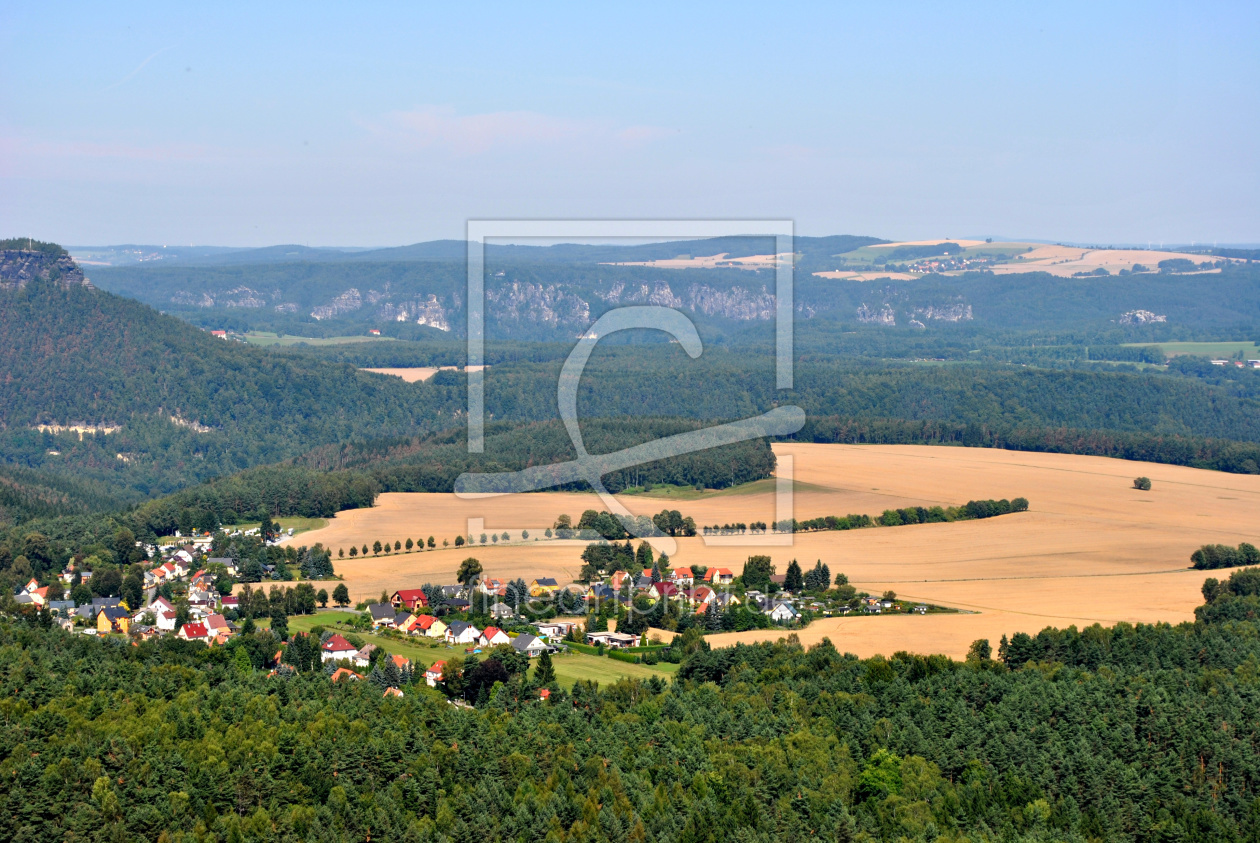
493, 636
783, 613
337, 648
461, 632
529, 645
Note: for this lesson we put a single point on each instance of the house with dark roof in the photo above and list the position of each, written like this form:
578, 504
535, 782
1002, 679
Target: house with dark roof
529, 645
383, 614
542, 586
462, 632
500, 611
112, 619
599, 591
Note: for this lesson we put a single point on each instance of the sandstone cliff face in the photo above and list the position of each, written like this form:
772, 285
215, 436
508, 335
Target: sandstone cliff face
19, 267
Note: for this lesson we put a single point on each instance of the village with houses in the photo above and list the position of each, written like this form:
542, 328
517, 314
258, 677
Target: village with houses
422, 635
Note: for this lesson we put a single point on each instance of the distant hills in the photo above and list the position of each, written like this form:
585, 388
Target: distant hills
457, 250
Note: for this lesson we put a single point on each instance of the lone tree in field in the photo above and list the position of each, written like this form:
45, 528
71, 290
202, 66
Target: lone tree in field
469, 570
322, 598
341, 595
1142, 483
459, 541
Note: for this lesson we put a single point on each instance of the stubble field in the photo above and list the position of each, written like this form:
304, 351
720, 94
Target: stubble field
1091, 548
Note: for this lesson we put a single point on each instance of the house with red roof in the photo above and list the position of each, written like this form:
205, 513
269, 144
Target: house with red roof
664, 590
337, 648
344, 673
699, 595
433, 675
682, 576
218, 625
493, 636
409, 598
392, 692
719, 576
618, 579
194, 632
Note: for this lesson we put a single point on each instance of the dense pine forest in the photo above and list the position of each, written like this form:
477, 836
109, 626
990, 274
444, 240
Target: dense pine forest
1144, 732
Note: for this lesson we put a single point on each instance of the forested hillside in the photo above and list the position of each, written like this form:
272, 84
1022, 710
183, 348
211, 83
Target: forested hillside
179, 405
1128, 733
554, 299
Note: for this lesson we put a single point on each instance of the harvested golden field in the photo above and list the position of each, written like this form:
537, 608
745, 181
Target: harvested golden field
413, 374
1091, 548
843, 275
711, 261
1065, 261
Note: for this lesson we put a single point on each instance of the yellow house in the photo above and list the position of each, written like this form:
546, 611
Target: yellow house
437, 629
543, 585
112, 620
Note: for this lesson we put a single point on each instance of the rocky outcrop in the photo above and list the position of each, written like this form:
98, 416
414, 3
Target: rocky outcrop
347, 302
959, 312
19, 267
734, 303
244, 297
883, 316
1141, 317
550, 305
192, 299
431, 312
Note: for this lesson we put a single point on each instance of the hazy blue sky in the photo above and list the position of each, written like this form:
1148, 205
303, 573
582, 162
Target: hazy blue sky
260, 123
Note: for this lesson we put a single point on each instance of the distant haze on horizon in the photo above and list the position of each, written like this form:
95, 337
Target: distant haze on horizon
250, 126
